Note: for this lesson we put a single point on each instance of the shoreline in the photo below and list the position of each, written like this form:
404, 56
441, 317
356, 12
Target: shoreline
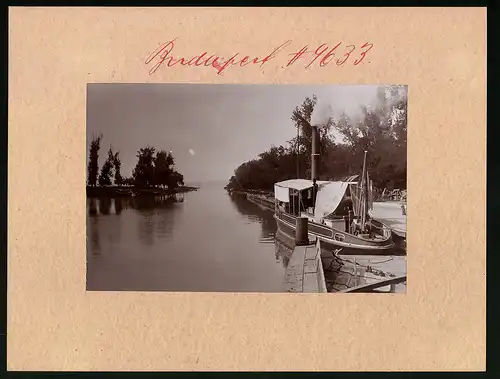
270, 194
128, 191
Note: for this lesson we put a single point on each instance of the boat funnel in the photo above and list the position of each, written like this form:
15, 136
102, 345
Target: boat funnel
315, 153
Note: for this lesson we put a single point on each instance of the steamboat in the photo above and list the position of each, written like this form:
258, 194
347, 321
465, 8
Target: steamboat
338, 213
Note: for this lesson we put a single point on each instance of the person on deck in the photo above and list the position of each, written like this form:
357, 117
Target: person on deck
345, 206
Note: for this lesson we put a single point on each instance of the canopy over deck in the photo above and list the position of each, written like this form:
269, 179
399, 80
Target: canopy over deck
282, 189
328, 198
298, 184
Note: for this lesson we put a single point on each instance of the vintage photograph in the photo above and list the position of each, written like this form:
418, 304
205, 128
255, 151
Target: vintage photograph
246, 188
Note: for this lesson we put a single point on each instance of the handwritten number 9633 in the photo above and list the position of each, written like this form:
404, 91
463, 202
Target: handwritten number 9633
324, 54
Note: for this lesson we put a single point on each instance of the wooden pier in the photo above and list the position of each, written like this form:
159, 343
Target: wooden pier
261, 200
305, 270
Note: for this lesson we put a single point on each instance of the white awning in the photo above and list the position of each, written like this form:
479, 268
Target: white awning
328, 199
281, 194
299, 184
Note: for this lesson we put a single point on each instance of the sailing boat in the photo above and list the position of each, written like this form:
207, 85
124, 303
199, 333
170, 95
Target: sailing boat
337, 211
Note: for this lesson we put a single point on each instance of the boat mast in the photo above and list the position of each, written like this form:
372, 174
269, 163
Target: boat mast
297, 151
314, 153
364, 194
314, 162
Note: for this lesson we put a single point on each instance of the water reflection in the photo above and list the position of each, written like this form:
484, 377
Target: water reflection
108, 206
282, 248
92, 205
105, 206
145, 228
210, 242
282, 252
255, 212
152, 202
158, 215
118, 205
93, 232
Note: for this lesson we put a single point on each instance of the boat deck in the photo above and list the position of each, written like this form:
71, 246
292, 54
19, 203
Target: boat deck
390, 214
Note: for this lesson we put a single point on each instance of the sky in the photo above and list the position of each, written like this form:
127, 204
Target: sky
210, 128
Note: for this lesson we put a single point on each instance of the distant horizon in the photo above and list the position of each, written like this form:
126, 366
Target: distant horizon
211, 129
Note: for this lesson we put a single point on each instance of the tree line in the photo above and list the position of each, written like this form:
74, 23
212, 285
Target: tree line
153, 168
380, 129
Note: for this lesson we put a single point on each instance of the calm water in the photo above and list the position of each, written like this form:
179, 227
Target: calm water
210, 242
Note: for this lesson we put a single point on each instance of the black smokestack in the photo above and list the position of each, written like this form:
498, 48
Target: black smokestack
314, 149
315, 153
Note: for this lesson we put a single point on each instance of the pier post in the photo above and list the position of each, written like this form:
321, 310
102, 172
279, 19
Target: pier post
301, 231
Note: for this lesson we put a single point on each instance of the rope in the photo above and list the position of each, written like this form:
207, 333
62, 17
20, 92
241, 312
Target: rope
340, 261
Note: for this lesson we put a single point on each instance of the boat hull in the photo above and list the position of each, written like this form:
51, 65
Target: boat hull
391, 214
333, 239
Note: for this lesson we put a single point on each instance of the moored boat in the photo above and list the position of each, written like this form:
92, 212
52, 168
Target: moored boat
393, 215
329, 218
337, 211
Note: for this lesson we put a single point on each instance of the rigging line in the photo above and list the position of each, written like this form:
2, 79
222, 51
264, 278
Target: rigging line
335, 254
338, 270
371, 264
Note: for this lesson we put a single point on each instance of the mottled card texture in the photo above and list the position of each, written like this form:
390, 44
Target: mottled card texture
54, 324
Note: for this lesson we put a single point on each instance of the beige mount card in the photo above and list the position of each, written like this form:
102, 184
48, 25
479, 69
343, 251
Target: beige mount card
55, 324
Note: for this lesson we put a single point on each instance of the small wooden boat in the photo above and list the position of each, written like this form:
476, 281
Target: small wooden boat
393, 215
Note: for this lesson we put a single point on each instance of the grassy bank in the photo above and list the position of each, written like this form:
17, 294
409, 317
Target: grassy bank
117, 191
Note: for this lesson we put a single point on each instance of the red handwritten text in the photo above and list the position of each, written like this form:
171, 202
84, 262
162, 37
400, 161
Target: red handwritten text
322, 56
326, 54
163, 55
